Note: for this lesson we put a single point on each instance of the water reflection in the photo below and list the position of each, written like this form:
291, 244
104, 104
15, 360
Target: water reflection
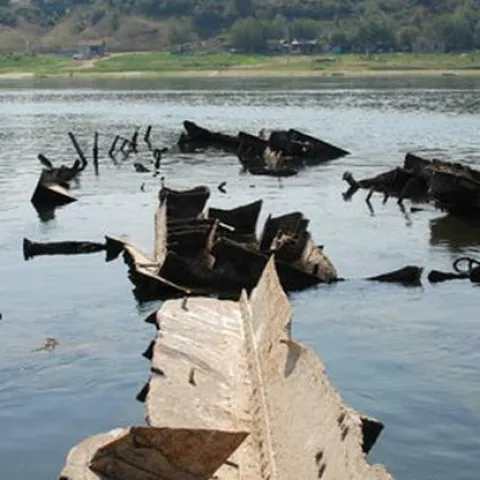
45, 214
455, 233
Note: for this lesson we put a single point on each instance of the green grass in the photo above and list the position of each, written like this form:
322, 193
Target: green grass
161, 61
412, 61
12, 63
158, 63
166, 62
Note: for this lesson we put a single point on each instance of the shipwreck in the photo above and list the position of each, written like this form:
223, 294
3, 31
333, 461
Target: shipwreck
450, 186
264, 411
281, 154
217, 252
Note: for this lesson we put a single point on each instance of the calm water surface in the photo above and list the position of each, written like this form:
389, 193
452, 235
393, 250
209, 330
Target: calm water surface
409, 357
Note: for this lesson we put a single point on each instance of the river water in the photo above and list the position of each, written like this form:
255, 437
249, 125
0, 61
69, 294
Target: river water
407, 356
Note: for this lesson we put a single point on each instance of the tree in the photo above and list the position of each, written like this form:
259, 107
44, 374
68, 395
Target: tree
407, 37
244, 8
305, 29
277, 29
339, 39
249, 35
180, 31
7, 17
210, 17
375, 30
454, 31
476, 35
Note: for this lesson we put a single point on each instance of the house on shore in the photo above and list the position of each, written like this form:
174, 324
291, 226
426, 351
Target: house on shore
88, 49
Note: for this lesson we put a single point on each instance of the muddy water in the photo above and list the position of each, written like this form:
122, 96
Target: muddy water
409, 357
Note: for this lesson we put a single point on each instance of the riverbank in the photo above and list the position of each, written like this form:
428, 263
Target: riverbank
164, 64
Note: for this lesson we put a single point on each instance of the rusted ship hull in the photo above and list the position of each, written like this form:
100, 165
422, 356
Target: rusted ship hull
297, 149
242, 219
311, 150
243, 266
457, 194
184, 203
197, 137
452, 186
230, 396
49, 193
199, 255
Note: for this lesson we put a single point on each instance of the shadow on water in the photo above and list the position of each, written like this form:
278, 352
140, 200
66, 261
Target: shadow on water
455, 233
45, 214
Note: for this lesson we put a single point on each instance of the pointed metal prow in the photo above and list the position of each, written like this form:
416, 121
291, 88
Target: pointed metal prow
409, 275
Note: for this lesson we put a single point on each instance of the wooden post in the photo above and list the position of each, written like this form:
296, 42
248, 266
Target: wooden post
134, 141
79, 151
95, 152
126, 153
146, 137
112, 149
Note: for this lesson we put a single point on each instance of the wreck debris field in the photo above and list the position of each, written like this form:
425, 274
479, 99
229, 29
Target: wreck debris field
331, 225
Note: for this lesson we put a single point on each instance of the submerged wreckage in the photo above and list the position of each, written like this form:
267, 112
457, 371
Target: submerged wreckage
451, 186
264, 411
282, 153
217, 251
52, 189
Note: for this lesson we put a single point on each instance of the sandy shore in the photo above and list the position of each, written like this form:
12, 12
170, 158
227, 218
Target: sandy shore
243, 73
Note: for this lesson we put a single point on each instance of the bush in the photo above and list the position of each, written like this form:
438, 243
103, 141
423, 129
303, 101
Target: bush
96, 15
249, 35
305, 29
180, 31
7, 17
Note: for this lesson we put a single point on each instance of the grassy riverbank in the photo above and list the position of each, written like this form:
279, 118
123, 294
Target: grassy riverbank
166, 64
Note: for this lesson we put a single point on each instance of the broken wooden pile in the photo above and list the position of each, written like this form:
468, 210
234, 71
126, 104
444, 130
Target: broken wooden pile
52, 189
283, 153
266, 410
122, 147
450, 186
217, 251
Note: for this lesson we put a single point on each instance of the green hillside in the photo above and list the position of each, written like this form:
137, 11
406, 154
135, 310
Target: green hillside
243, 25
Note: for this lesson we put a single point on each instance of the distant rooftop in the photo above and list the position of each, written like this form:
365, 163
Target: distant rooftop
90, 43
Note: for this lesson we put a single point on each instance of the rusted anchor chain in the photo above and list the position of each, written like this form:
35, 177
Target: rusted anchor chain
471, 270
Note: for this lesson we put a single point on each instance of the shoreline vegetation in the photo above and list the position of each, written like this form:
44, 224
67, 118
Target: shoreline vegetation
164, 64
